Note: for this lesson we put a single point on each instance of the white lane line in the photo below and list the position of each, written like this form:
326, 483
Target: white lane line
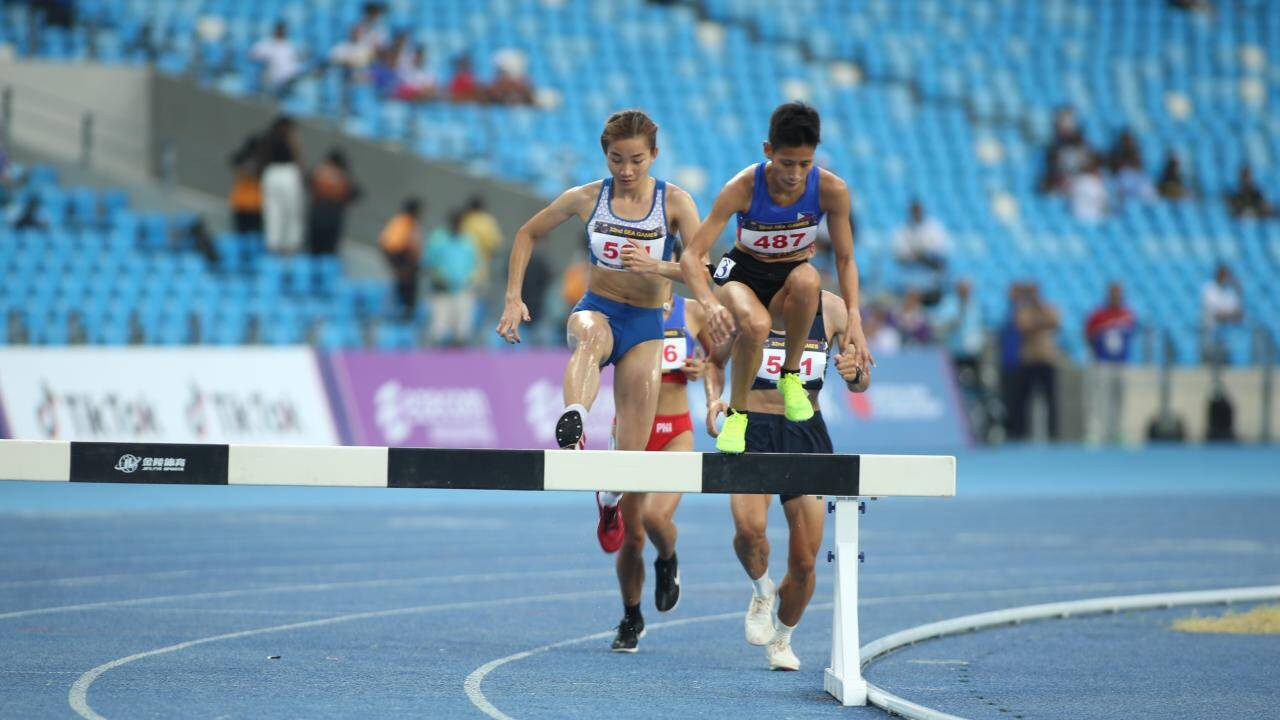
477, 697
312, 587
1011, 570
78, 697
472, 684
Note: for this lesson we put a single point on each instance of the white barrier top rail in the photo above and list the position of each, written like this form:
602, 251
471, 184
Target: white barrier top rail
621, 471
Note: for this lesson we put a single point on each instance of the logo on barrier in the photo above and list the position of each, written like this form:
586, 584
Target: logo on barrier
128, 463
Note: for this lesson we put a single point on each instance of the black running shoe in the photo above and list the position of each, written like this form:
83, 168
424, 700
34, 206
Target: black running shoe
629, 634
569, 435
666, 590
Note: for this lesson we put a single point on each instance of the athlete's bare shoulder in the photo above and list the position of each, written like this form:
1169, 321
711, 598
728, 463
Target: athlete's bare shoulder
675, 193
741, 186
829, 182
579, 200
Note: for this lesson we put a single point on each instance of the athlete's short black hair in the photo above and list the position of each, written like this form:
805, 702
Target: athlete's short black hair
794, 124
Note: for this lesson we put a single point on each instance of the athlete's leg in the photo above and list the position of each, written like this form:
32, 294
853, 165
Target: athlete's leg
636, 384
753, 329
661, 508
630, 565
804, 518
659, 512
751, 544
803, 287
591, 342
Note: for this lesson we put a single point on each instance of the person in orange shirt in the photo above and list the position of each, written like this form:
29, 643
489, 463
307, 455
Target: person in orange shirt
245, 198
401, 242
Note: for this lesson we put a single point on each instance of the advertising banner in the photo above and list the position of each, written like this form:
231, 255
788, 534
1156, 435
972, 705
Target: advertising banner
166, 395
512, 400
460, 399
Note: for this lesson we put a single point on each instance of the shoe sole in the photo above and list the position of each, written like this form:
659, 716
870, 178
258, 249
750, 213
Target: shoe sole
566, 428
782, 668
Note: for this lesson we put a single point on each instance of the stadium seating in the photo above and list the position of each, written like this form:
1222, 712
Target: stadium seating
947, 102
100, 273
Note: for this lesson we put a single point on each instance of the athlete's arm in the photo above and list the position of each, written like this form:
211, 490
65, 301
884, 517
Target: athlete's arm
713, 382
549, 218
695, 365
836, 315
839, 208
735, 197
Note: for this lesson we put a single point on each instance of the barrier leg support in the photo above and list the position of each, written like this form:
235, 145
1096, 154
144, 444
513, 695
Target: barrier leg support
844, 678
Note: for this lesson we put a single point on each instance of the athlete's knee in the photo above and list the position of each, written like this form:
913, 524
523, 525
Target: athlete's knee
754, 328
633, 539
804, 279
749, 534
588, 336
801, 563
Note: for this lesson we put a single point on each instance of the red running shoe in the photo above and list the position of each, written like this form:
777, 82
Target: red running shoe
609, 530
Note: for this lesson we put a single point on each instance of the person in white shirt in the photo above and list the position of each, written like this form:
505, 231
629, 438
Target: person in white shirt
1088, 195
1220, 307
281, 58
922, 241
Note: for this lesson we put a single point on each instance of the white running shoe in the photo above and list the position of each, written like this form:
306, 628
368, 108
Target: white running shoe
780, 655
759, 621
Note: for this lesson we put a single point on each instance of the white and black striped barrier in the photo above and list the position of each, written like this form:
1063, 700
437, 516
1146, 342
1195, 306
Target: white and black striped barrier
841, 478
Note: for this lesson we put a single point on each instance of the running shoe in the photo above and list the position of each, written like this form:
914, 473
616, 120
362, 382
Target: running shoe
569, 433
666, 590
629, 634
794, 397
759, 620
609, 531
780, 655
733, 436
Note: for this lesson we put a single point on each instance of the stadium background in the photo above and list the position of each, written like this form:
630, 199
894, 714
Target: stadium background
133, 309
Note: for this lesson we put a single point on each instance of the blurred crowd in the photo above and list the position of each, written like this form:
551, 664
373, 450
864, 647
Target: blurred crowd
390, 62
1095, 183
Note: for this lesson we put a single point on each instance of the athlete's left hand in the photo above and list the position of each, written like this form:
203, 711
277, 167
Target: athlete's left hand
856, 377
694, 366
637, 259
715, 409
855, 343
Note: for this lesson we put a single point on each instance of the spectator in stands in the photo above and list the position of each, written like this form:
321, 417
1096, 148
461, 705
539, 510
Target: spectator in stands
1171, 184
370, 30
1067, 153
912, 322
282, 186
414, 80
8, 181
384, 72
353, 55
958, 321
1010, 341
511, 86
537, 282
881, 331
451, 262
1109, 332
573, 283
332, 191
1039, 354
32, 216
485, 232
1088, 194
1247, 200
464, 87
1220, 309
1125, 163
246, 186
16, 332
282, 61
921, 247
401, 243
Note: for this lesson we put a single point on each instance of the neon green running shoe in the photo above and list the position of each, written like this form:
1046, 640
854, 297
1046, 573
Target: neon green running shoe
795, 398
733, 436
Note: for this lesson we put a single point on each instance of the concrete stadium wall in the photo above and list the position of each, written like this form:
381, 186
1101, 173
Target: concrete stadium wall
50, 99
1189, 400
203, 127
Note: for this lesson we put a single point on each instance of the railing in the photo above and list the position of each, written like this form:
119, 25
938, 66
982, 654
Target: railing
93, 133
